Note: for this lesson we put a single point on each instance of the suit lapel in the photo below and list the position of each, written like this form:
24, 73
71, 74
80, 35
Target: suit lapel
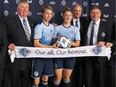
100, 31
20, 27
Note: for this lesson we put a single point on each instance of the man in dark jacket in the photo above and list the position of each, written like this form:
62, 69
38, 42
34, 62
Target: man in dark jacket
20, 32
3, 48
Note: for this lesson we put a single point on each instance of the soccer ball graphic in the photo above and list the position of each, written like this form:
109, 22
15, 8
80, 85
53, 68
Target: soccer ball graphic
63, 42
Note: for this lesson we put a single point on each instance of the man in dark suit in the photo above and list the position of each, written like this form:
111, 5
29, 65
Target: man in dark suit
20, 32
111, 66
96, 33
3, 48
78, 72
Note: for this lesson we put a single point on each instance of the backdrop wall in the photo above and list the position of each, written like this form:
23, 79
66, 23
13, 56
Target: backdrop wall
8, 8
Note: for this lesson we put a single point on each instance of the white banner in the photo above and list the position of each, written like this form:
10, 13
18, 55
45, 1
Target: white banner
36, 52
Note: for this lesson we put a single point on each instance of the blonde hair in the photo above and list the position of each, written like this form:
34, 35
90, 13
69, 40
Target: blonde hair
46, 7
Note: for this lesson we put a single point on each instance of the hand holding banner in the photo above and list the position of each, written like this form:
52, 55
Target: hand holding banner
35, 52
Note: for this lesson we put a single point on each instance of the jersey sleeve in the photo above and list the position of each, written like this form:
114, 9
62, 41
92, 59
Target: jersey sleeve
77, 34
38, 32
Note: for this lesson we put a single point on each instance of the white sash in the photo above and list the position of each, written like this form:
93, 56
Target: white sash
36, 52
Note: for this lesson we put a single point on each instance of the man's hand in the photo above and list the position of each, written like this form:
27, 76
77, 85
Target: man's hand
11, 47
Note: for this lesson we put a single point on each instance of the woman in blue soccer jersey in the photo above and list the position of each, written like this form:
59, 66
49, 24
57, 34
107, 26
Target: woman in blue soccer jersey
42, 38
63, 67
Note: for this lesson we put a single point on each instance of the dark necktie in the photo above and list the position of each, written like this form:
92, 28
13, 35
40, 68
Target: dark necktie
92, 33
76, 23
26, 29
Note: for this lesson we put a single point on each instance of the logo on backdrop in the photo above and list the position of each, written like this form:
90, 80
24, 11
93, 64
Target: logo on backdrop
115, 16
6, 1
106, 5
17, 1
52, 2
97, 3
106, 15
74, 3
41, 2
6, 13
63, 2
85, 4
30, 13
29, 1
84, 15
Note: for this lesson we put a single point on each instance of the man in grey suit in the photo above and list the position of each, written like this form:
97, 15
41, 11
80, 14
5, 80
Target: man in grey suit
20, 32
3, 48
97, 33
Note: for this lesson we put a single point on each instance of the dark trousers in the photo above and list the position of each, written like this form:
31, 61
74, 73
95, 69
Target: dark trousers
78, 75
16, 78
95, 72
111, 77
1, 75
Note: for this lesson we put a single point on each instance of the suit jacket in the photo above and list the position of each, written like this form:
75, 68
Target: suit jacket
112, 61
3, 44
16, 35
104, 34
82, 25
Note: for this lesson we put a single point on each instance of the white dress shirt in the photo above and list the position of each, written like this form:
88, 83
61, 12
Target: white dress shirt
74, 20
95, 35
21, 19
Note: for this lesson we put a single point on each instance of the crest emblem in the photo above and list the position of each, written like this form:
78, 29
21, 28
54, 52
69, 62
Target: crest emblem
24, 52
36, 73
103, 34
55, 65
97, 50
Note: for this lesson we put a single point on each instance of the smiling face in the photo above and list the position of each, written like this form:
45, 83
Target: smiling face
47, 15
67, 16
95, 14
77, 11
23, 9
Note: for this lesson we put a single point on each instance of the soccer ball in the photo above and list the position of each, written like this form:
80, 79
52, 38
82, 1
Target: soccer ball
63, 42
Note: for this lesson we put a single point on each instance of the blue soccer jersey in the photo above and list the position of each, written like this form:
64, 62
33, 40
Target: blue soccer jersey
70, 32
44, 33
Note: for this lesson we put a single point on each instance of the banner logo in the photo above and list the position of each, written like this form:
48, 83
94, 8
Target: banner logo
24, 52
97, 50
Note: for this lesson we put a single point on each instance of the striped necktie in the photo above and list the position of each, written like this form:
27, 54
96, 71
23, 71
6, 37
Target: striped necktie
26, 29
